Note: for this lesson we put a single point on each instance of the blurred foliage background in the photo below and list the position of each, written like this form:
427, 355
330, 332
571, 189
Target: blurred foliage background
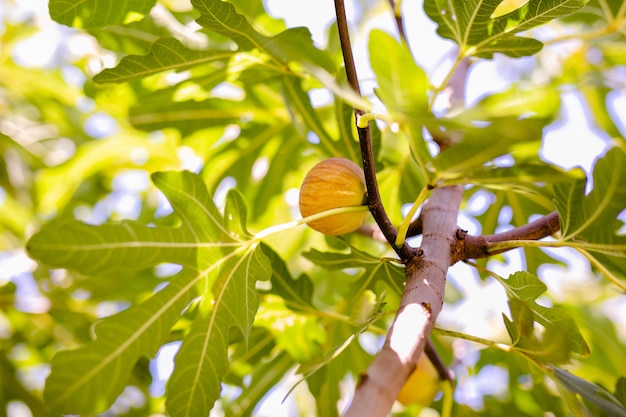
72, 148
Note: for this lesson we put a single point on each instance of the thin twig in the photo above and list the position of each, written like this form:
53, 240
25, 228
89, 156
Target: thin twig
405, 252
395, 7
444, 373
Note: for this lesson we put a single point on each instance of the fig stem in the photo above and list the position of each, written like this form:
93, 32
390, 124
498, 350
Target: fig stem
290, 225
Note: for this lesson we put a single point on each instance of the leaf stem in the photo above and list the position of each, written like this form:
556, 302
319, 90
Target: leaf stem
437, 90
404, 226
607, 273
364, 119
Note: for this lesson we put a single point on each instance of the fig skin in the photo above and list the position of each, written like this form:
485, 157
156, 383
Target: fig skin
422, 386
333, 183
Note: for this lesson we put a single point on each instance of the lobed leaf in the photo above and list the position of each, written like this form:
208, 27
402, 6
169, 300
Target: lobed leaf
592, 217
89, 379
165, 54
472, 25
203, 357
219, 264
110, 247
561, 336
94, 13
294, 44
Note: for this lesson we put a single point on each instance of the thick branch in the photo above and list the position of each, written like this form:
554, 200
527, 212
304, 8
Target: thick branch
474, 247
420, 306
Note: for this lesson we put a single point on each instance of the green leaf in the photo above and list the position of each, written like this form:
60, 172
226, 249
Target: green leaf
480, 145
591, 220
203, 357
262, 379
293, 44
165, 54
472, 26
94, 13
402, 83
88, 379
561, 336
377, 271
296, 293
129, 245
402, 86
592, 217
191, 115
590, 392
306, 116
55, 186
109, 247
218, 262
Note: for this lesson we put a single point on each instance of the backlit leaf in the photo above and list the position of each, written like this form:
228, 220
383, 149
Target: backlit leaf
202, 360
165, 54
472, 26
94, 13
292, 44
592, 216
596, 395
219, 265
402, 88
561, 336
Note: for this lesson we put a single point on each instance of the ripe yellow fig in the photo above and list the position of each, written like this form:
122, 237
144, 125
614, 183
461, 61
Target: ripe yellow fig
334, 183
422, 386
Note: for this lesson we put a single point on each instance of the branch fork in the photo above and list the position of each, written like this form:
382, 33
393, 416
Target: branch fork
443, 244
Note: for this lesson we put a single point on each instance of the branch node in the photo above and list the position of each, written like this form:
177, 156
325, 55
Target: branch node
362, 378
460, 234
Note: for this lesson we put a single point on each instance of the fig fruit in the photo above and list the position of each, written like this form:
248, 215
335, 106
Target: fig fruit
334, 183
422, 385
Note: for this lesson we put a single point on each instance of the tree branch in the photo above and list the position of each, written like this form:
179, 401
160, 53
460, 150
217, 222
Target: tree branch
420, 306
395, 8
474, 247
405, 252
